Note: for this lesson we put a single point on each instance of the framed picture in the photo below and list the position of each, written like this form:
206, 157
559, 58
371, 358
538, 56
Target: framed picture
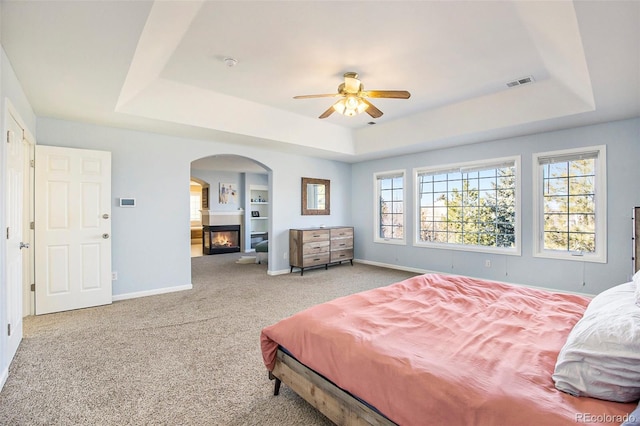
228, 193
255, 213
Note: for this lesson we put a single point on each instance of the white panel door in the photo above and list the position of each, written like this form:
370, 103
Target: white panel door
14, 232
72, 228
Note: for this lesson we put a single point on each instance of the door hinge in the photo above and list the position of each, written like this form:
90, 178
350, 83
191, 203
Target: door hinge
9, 136
8, 329
7, 232
32, 162
33, 287
32, 225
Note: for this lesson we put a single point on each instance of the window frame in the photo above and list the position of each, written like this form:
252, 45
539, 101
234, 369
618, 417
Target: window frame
468, 166
600, 255
376, 207
192, 222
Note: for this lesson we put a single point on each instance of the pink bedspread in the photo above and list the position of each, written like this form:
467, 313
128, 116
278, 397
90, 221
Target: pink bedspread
446, 350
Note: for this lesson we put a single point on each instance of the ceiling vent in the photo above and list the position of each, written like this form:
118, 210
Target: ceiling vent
519, 82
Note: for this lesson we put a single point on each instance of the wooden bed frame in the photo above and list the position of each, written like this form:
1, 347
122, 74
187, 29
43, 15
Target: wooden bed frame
339, 406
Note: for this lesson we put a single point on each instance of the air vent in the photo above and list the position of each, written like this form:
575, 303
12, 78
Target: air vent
519, 82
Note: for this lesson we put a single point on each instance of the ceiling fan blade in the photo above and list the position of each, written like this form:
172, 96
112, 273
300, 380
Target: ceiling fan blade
333, 95
371, 109
393, 94
327, 112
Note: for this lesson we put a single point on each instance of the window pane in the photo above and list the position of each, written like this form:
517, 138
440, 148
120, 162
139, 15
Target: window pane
556, 205
195, 214
569, 205
556, 186
556, 240
391, 207
582, 167
468, 205
385, 195
582, 242
556, 222
583, 185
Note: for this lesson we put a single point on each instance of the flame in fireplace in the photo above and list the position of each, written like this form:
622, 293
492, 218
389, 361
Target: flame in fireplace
224, 239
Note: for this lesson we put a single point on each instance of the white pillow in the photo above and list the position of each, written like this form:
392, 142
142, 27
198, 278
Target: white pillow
601, 358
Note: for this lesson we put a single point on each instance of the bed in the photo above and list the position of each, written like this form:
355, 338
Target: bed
440, 350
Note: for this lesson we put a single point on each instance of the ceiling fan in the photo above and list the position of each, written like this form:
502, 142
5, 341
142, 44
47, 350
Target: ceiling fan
353, 96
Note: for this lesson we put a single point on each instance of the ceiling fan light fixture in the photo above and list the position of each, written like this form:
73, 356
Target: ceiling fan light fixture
353, 98
350, 106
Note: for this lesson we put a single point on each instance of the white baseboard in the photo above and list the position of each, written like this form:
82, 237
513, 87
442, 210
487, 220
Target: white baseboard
153, 292
398, 267
4, 377
280, 272
427, 271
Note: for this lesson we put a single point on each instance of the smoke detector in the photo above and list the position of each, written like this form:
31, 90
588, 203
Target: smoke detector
230, 62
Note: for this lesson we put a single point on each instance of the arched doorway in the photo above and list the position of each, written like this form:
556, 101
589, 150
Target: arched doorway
231, 186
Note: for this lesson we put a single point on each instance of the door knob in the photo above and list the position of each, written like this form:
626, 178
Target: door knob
105, 236
23, 245
105, 216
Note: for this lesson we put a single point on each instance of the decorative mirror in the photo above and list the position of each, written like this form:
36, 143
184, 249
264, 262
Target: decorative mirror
315, 196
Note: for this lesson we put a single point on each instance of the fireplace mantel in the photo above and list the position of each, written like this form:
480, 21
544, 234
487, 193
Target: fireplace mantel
215, 218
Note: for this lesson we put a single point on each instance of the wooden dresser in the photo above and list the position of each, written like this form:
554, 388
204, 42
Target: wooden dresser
320, 246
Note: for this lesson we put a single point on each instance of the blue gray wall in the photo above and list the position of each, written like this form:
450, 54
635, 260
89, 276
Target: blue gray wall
622, 139
151, 244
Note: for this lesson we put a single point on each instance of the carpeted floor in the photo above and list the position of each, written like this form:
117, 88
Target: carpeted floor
185, 358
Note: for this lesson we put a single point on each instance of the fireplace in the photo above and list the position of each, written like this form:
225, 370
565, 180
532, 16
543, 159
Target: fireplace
220, 239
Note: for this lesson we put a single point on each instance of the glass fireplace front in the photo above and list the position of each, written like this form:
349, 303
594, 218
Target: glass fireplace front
220, 239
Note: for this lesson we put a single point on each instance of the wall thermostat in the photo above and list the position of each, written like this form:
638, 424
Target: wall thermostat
127, 202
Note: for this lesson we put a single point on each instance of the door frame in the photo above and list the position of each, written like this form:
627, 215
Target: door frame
28, 141
28, 275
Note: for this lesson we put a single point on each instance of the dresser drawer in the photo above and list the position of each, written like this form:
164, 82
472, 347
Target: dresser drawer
319, 235
315, 247
337, 256
341, 244
341, 233
319, 259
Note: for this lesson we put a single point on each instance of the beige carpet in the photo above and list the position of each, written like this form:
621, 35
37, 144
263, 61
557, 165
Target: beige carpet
185, 358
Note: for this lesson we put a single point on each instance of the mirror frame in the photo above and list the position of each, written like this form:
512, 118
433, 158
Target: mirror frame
327, 193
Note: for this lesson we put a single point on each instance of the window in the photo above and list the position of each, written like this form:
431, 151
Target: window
570, 204
195, 208
195, 204
389, 207
471, 206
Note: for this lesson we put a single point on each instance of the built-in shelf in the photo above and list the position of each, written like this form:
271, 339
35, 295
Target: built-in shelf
259, 202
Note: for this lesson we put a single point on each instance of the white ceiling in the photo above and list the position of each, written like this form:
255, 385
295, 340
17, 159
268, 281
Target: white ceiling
158, 66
